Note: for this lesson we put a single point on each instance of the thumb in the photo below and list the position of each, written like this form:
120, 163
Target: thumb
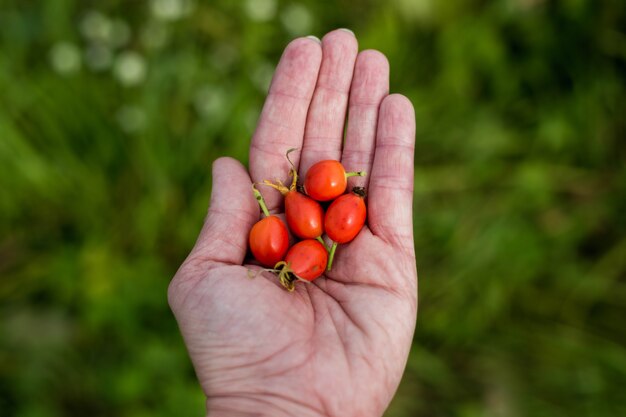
232, 212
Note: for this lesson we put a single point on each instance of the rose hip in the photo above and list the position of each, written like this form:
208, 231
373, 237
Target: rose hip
306, 260
327, 180
345, 218
269, 239
305, 216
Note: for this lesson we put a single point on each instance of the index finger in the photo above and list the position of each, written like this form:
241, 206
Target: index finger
282, 121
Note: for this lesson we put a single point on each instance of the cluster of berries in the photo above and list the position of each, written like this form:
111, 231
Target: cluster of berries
325, 182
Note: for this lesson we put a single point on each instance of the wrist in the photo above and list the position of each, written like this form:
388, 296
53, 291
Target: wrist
251, 405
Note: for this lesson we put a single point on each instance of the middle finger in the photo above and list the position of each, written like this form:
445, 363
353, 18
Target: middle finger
323, 134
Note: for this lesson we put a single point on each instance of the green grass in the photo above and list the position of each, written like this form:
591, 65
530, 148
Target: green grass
520, 200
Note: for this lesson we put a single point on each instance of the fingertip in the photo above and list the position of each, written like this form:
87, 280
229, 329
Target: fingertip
399, 104
226, 164
298, 68
397, 118
370, 83
374, 59
231, 180
345, 39
308, 47
314, 38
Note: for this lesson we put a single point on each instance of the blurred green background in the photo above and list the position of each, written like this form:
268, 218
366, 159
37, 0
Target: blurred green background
112, 111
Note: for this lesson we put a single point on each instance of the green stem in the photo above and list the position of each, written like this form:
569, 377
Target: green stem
261, 201
356, 174
331, 256
319, 239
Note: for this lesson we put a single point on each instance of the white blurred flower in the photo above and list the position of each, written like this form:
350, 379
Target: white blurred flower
208, 100
154, 36
65, 58
297, 19
130, 68
260, 10
98, 57
95, 26
171, 9
131, 118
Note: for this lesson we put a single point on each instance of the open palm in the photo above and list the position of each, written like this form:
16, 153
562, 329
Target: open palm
337, 346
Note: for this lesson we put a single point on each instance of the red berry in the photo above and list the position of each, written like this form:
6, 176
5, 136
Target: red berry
326, 180
307, 259
345, 217
269, 240
305, 216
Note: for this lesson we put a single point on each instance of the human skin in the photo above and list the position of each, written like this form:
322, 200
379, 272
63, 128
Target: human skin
337, 346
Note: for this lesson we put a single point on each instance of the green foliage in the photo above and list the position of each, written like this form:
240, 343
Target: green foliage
111, 113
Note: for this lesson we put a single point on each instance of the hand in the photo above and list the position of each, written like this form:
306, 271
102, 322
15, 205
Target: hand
337, 346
